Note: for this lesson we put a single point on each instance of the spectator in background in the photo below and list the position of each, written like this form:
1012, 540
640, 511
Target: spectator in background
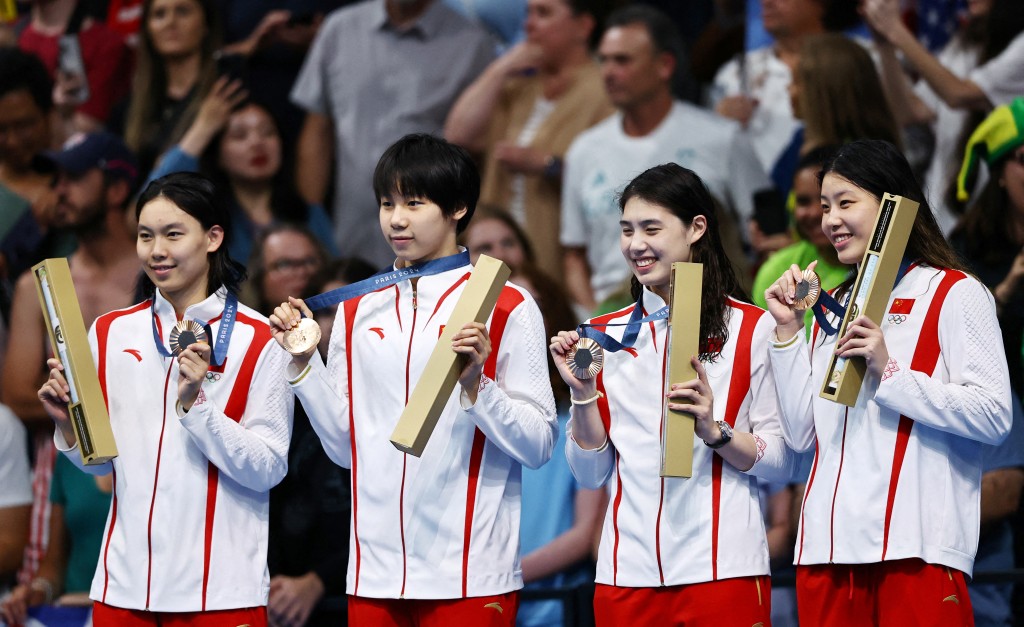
84, 102
285, 258
560, 520
837, 93
175, 69
751, 89
811, 244
638, 55
79, 506
27, 199
377, 70
237, 144
522, 113
274, 36
15, 495
990, 236
978, 70
95, 180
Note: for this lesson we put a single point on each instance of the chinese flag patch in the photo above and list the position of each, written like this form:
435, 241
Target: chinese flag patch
901, 306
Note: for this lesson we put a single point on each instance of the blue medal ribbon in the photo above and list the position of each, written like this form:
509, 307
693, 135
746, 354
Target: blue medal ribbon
827, 302
387, 277
220, 346
633, 326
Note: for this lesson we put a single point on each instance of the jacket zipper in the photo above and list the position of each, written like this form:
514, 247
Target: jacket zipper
405, 458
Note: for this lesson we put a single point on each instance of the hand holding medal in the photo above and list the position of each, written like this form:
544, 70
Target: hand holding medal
578, 359
293, 326
191, 346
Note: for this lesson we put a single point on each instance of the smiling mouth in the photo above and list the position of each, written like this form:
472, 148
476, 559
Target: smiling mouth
840, 239
644, 263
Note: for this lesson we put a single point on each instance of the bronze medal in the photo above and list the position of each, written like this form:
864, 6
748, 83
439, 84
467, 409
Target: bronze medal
185, 334
585, 359
807, 290
302, 337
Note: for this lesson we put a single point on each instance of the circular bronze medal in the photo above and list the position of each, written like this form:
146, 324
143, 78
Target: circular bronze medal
807, 290
302, 337
585, 358
185, 334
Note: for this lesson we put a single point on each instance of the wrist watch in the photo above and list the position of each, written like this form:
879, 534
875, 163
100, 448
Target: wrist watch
726, 430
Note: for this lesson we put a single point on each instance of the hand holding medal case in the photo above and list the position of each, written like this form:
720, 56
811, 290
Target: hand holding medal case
441, 373
871, 290
677, 427
87, 408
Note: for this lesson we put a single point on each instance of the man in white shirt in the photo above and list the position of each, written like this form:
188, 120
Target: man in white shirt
638, 54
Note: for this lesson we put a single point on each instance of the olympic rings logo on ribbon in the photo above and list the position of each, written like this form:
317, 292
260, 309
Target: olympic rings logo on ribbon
212, 376
897, 318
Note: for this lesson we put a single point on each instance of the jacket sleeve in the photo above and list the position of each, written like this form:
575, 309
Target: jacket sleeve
254, 450
774, 461
517, 413
795, 391
975, 400
592, 468
323, 393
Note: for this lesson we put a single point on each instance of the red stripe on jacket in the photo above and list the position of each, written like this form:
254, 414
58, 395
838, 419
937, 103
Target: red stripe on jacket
235, 408
102, 333
350, 307
739, 385
926, 356
508, 300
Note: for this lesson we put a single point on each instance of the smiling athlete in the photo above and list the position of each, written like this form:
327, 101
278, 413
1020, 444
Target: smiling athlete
202, 435
890, 519
693, 549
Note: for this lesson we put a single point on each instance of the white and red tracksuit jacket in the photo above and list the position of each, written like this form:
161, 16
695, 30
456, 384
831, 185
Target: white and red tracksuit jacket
444, 525
188, 522
671, 531
898, 475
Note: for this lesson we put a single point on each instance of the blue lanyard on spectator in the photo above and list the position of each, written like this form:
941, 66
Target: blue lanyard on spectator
633, 326
387, 277
826, 301
227, 326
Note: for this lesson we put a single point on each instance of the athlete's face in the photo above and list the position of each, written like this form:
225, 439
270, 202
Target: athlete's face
417, 229
174, 249
848, 216
653, 238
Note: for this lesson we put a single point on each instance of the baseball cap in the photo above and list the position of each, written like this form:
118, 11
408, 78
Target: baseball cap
84, 151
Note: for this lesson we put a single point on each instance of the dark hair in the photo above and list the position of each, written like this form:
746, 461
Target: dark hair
195, 195
21, 70
816, 157
878, 168
347, 270
661, 29
840, 15
430, 167
985, 229
285, 203
683, 193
